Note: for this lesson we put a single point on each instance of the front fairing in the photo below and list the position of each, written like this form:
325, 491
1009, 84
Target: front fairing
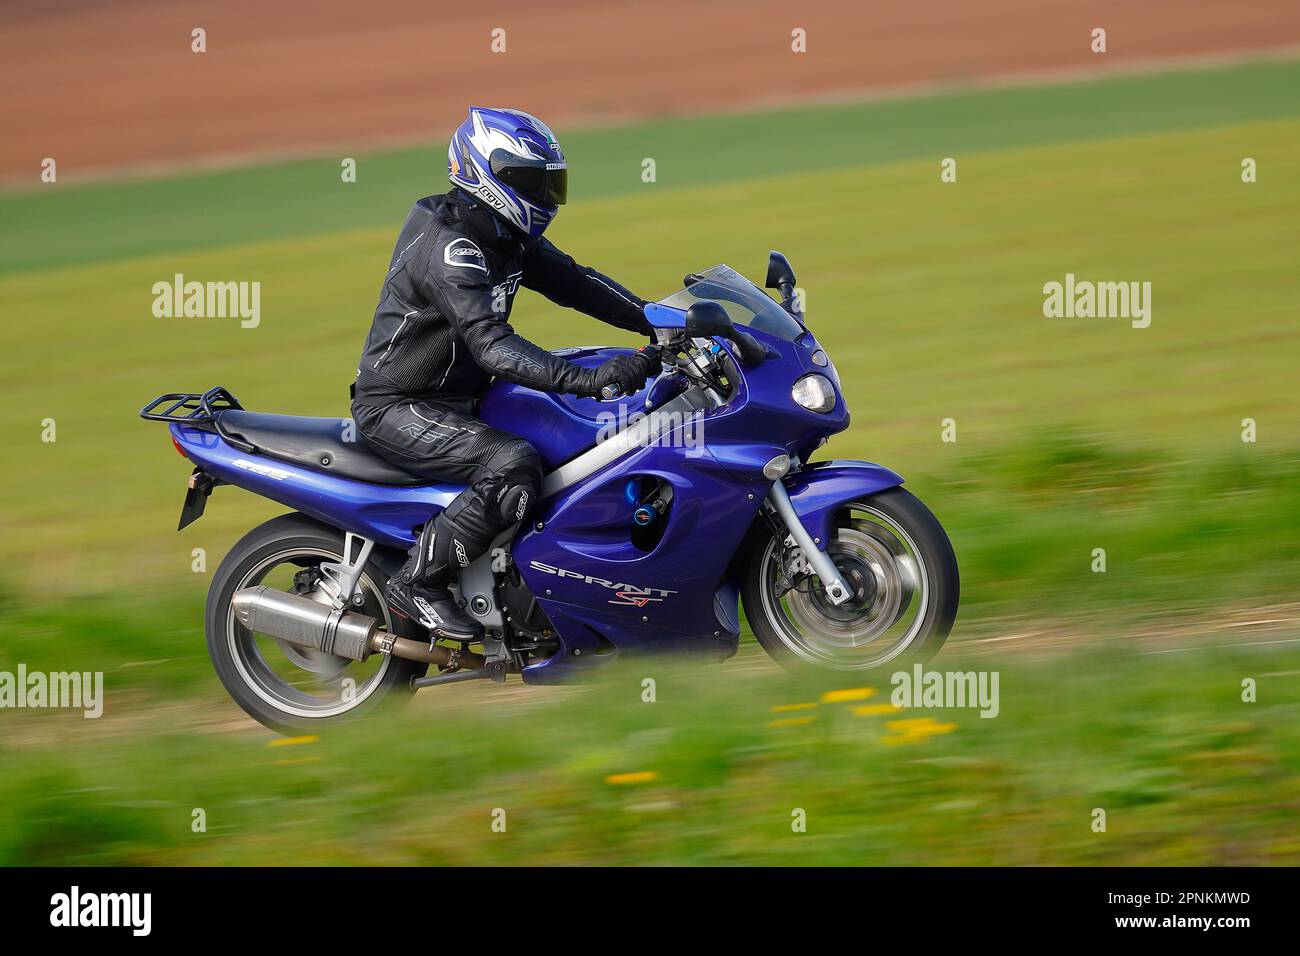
759, 418
761, 394
768, 388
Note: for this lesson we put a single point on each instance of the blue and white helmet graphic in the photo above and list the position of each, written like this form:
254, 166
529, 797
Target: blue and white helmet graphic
512, 162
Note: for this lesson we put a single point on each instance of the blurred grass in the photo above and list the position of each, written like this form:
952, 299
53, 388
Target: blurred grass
1183, 533
1187, 774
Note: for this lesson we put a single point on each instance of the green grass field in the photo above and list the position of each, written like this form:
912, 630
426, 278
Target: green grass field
1072, 434
707, 774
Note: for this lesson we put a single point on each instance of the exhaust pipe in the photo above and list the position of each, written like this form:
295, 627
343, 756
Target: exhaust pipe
322, 627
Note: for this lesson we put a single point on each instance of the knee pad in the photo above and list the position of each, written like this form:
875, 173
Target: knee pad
506, 502
514, 503
512, 491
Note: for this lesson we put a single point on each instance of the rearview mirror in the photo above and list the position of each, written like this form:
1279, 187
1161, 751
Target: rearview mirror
706, 319
780, 274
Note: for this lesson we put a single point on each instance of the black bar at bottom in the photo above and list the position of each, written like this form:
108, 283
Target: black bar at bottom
974, 906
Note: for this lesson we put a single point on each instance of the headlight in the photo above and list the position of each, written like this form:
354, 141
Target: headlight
814, 392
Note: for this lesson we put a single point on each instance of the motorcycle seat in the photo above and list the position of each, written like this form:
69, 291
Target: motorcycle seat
317, 444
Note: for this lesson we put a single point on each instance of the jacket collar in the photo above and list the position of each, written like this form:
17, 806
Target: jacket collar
483, 224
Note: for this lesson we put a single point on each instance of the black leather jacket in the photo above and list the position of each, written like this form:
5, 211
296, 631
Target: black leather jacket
441, 329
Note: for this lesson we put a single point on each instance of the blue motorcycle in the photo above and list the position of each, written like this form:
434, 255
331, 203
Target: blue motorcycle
660, 513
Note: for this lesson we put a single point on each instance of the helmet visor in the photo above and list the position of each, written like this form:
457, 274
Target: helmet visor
538, 180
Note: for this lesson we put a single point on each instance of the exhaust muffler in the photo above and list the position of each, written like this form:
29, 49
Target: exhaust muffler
322, 627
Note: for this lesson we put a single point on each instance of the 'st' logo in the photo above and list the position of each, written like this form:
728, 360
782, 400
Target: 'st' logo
636, 600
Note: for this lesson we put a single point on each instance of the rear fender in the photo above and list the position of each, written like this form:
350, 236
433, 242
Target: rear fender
388, 514
820, 489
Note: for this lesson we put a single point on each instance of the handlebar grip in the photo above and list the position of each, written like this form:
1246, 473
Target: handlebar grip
610, 392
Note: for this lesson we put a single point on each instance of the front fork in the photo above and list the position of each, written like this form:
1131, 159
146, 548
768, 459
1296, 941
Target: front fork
836, 591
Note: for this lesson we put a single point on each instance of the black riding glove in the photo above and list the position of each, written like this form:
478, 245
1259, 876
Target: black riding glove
627, 373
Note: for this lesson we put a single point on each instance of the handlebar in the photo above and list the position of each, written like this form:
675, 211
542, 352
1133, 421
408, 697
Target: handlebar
748, 349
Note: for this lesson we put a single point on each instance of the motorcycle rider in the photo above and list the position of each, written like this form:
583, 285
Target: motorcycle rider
440, 335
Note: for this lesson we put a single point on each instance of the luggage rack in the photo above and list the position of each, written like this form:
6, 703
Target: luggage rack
190, 407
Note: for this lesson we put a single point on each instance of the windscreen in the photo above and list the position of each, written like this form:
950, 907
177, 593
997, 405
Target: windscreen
745, 302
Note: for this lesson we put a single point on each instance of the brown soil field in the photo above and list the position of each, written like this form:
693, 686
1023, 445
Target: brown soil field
98, 85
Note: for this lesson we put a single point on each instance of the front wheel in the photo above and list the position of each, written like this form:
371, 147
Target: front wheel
288, 688
897, 561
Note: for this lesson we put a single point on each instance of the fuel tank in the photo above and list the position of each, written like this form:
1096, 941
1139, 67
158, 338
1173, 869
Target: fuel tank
559, 426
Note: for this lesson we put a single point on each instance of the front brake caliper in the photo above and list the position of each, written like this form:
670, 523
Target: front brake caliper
794, 568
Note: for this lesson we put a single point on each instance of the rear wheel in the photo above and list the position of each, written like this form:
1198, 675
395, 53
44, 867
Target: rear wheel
897, 561
288, 688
